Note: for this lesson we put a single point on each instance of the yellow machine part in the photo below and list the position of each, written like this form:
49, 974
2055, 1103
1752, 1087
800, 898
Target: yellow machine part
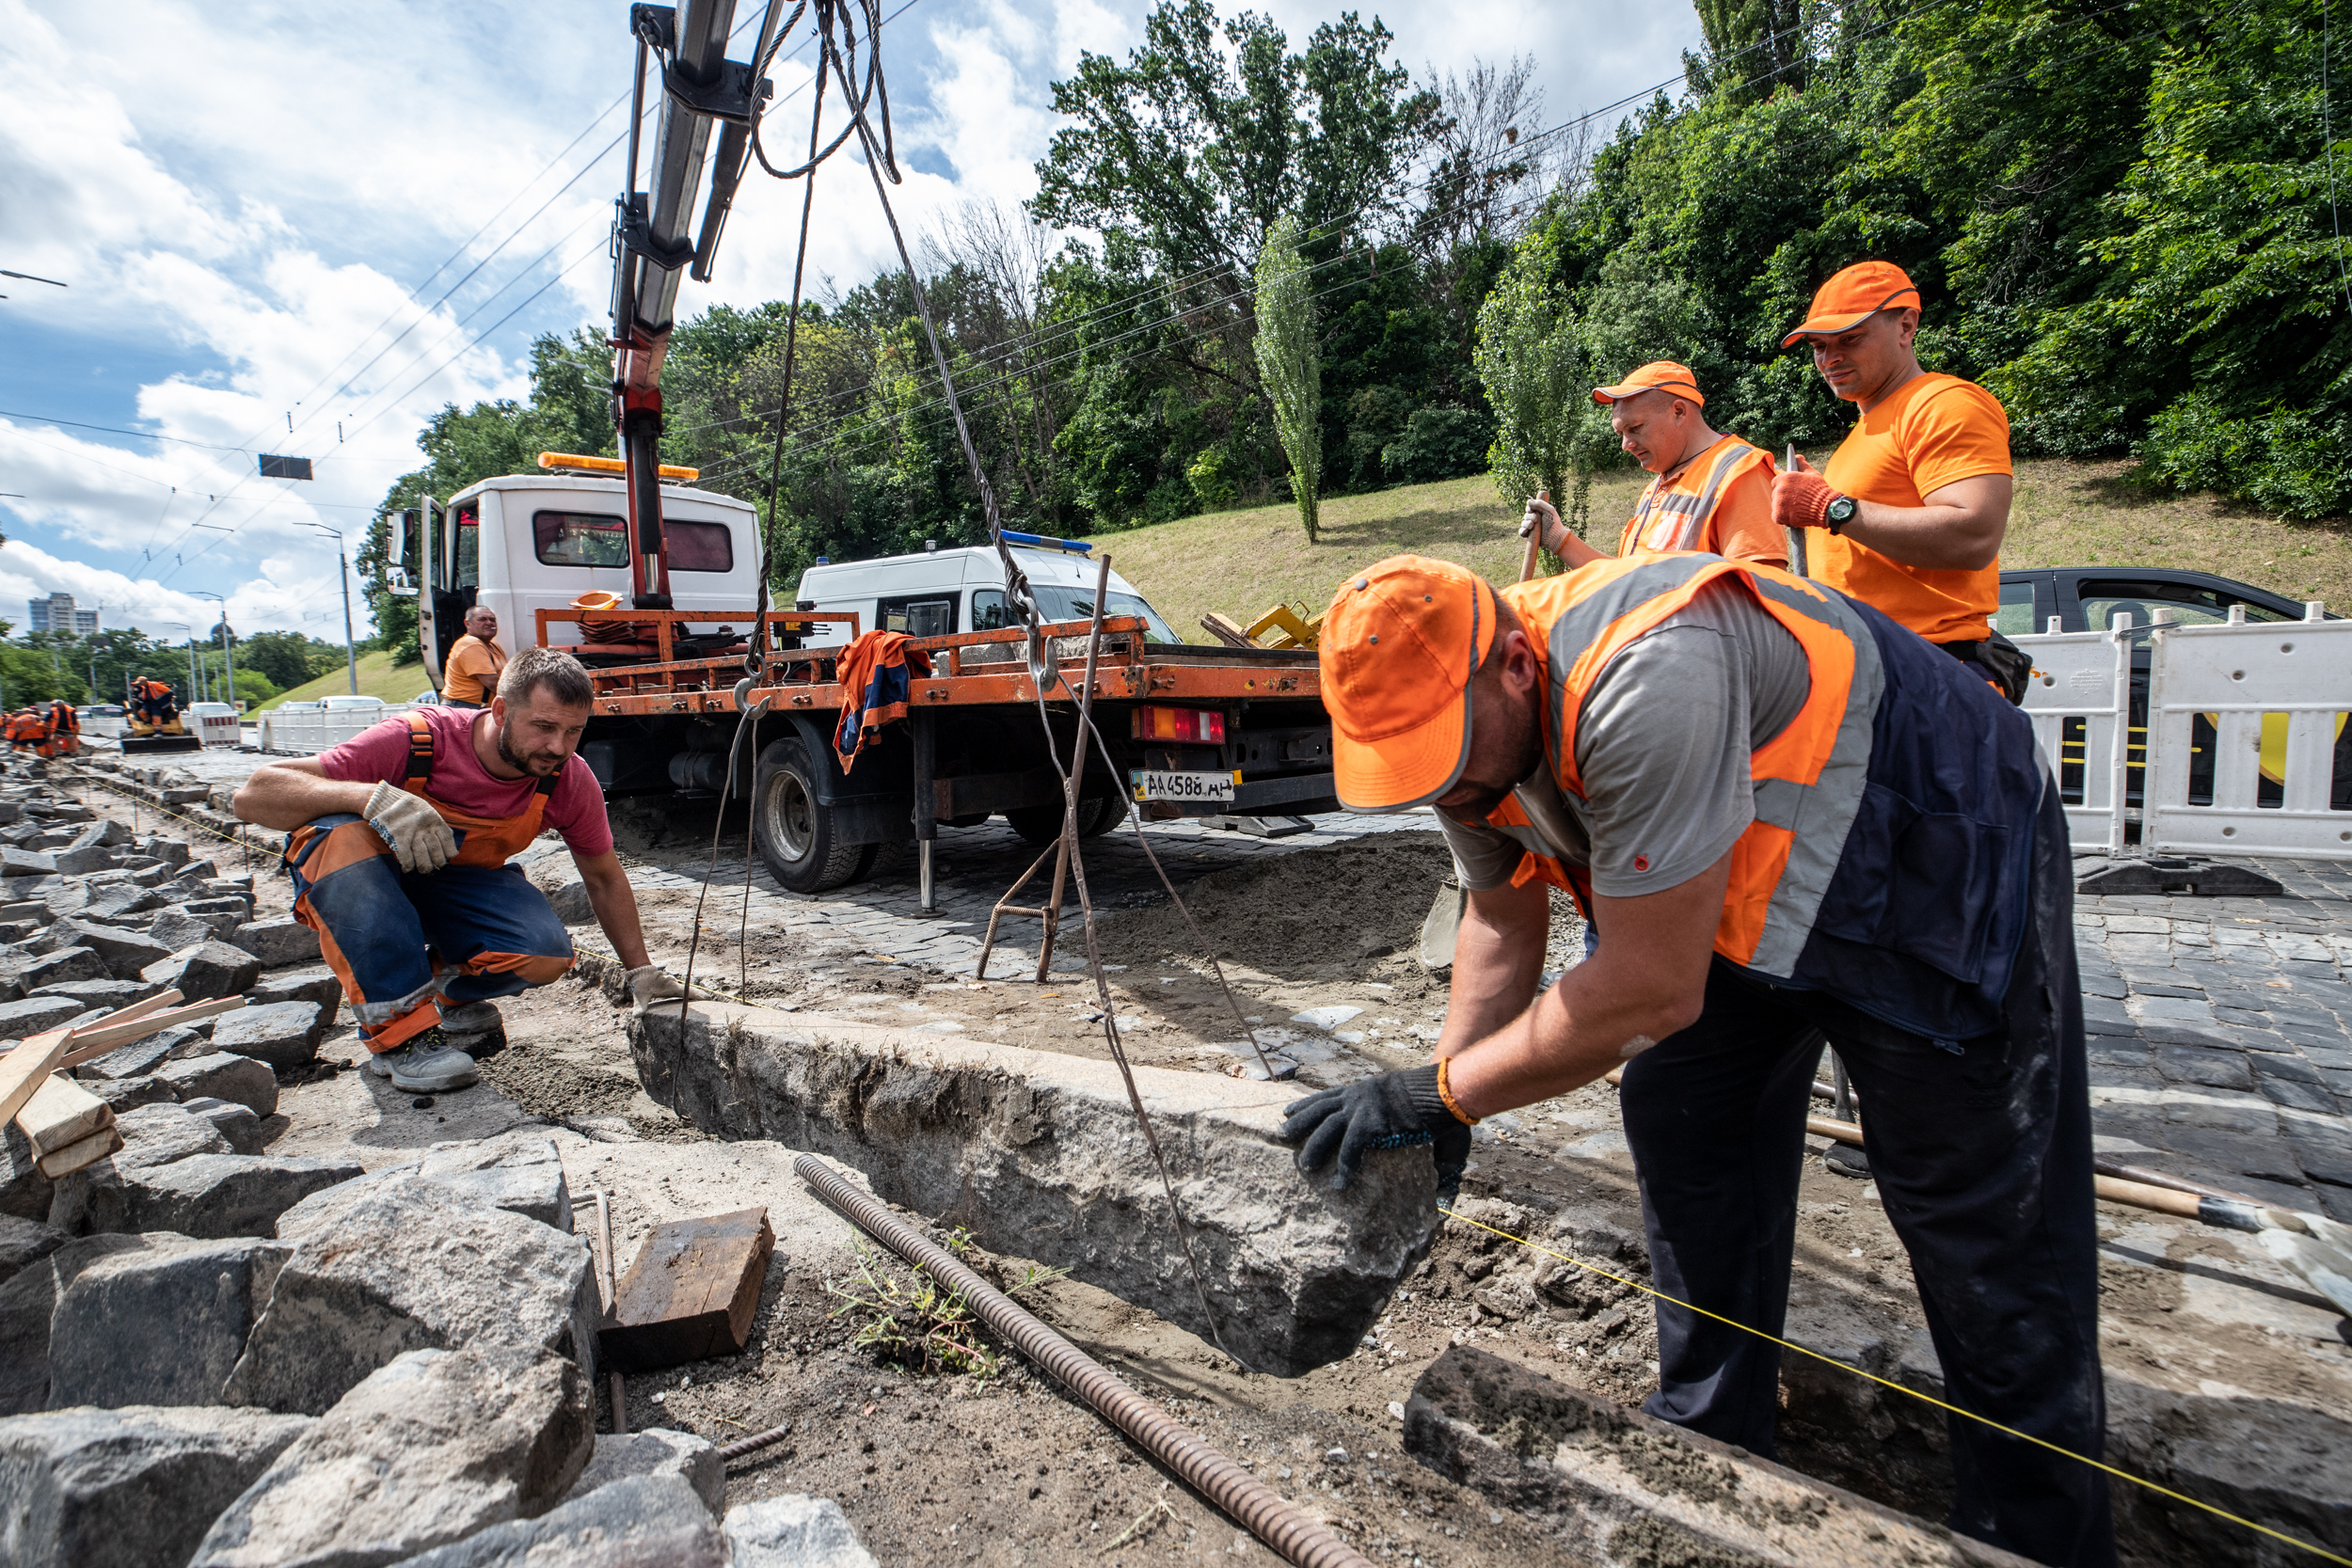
2274, 762
1298, 629
140, 729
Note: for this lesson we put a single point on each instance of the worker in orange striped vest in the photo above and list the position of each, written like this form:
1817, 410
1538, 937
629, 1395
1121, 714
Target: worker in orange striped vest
1713, 492
1790, 816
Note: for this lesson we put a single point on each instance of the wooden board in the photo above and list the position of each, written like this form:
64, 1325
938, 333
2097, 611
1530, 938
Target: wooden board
59, 1113
115, 1030
689, 1293
86, 1152
22, 1069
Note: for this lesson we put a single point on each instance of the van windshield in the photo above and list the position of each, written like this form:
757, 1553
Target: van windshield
1077, 604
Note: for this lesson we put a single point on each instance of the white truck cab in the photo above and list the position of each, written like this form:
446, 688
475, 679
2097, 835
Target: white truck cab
522, 542
941, 593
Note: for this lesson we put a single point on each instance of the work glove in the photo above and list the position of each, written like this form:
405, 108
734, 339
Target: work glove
1394, 1110
1801, 497
420, 840
647, 986
1542, 516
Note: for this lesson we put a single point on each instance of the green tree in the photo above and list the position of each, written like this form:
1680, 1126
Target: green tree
1290, 363
1538, 377
289, 658
1196, 148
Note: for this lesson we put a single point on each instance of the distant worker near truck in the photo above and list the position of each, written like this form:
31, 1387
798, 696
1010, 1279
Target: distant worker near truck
1712, 492
475, 662
398, 841
1910, 514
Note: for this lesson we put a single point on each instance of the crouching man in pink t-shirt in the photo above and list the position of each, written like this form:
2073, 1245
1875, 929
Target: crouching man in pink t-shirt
398, 841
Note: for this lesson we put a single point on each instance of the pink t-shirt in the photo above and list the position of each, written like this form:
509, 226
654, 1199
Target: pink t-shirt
379, 754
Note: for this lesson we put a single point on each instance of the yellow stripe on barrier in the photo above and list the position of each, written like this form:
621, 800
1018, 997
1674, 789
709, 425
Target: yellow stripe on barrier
1887, 1383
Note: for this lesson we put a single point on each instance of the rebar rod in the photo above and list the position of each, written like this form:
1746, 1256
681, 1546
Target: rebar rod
1256, 1506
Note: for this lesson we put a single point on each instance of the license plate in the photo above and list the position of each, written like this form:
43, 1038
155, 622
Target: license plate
1151, 785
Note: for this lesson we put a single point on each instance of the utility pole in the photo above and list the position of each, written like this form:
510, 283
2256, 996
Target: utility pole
191, 631
228, 656
342, 574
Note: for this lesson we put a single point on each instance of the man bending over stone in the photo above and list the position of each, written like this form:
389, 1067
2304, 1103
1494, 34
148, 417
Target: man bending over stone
398, 841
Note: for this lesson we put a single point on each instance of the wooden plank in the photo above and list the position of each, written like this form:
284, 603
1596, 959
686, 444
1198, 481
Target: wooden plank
61, 1112
86, 1152
689, 1293
95, 1040
154, 1003
22, 1069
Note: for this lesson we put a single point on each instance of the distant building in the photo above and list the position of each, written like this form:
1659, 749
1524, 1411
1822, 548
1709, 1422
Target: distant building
56, 613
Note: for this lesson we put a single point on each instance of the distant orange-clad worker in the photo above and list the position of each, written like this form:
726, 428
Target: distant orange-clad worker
470, 678
1915, 503
1713, 492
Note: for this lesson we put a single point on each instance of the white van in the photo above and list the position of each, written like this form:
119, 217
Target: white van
940, 592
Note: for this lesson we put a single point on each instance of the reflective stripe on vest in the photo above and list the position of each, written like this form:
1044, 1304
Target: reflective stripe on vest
1677, 520
1808, 780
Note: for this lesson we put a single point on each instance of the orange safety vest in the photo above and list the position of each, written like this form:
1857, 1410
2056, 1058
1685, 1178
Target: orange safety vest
1673, 518
1588, 616
490, 841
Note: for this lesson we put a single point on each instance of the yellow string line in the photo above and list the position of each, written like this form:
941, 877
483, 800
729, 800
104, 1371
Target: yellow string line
1886, 1383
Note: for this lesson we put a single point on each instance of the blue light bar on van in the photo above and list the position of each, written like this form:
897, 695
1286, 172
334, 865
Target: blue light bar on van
1075, 546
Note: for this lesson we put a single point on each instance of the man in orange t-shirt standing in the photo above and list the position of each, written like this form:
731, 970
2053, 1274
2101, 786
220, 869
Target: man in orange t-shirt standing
475, 662
1712, 493
1915, 503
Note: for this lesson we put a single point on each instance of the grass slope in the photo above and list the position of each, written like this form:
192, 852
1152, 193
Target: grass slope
2066, 514
378, 678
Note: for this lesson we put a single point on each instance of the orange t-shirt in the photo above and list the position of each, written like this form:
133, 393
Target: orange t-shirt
1721, 503
473, 671
1936, 430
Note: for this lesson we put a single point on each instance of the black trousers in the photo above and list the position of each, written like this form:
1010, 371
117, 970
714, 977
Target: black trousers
1982, 1158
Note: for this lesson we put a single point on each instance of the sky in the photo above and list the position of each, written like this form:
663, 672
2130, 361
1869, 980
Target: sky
303, 229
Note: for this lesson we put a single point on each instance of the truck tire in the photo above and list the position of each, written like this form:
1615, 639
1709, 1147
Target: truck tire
1097, 816
793, 829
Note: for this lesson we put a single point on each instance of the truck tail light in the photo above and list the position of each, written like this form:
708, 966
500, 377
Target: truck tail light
1200, 727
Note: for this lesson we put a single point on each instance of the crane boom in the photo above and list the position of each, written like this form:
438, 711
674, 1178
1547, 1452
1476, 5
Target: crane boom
653, 242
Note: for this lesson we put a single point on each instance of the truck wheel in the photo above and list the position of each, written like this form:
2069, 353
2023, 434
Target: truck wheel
793, 829
1097, 814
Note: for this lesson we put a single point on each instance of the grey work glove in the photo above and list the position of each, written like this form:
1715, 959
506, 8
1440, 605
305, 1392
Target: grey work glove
420, 840
1394, 1110
647, 986
1541, 522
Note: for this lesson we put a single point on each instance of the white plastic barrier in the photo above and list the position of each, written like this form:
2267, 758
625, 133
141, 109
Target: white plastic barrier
2086, 675
2236, 674
306, 732
214, 723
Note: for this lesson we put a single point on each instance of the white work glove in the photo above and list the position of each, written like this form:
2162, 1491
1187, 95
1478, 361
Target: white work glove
1542, 515
420, 840
647, 986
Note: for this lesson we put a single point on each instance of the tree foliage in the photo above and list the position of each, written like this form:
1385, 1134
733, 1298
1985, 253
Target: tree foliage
1533, 358
1290, 362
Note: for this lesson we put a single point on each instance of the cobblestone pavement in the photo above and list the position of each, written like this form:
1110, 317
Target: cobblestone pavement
2221, 1034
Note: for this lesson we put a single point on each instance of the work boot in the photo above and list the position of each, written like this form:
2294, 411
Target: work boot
426, 1063
473, 1018
474, 1028
1846, 1159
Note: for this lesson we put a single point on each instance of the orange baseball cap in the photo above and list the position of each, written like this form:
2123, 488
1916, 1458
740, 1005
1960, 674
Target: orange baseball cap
1399, 646
1659, 376
1854, 295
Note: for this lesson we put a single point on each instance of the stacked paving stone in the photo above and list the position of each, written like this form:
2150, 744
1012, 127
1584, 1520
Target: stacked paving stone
94, 917
393, 1366
211, 1354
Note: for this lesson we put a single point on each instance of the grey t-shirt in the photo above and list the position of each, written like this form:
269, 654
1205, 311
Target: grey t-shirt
1663, 743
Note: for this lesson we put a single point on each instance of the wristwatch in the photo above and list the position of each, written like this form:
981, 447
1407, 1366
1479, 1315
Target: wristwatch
1840, 511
